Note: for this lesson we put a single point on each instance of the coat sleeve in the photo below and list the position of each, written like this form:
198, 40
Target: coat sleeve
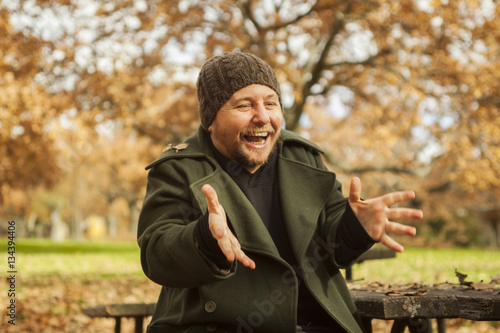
169, 255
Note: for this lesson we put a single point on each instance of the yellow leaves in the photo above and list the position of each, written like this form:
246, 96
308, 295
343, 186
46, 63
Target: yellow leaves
393, 78
477, 93
384, 134
377, 112
480, 175
9, 77
476, 167
470, 179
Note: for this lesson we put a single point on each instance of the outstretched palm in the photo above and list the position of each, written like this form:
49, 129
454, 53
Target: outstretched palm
375, 215
217, 221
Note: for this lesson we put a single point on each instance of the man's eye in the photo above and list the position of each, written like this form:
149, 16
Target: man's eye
243, 106
271, 105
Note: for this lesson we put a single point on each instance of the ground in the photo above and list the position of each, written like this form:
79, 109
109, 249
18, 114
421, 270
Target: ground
54, 304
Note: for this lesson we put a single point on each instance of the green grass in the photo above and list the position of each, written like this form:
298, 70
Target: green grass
84, 259
432, 266
110, 259
41, 246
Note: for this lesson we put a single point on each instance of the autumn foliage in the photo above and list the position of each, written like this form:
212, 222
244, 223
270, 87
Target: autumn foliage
404, 94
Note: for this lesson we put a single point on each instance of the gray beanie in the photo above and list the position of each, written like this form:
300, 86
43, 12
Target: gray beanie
221, 76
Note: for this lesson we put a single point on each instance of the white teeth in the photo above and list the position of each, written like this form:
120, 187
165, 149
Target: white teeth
262, 134
257, 138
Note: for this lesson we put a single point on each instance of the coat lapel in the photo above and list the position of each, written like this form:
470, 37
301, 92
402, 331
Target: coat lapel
303, 192
248, 225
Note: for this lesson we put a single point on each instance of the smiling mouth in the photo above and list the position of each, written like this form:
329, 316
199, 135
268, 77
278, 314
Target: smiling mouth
257, 138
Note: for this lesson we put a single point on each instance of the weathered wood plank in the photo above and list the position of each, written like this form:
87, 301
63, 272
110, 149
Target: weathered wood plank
454, 303
121, 310
481, 305
376, 253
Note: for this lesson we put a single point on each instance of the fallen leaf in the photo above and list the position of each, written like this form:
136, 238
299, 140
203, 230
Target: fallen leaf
483, 286
167, 148
461, 277
495, 278
181, 146
178, 147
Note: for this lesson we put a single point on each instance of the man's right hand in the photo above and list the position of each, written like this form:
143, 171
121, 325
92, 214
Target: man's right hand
217, 222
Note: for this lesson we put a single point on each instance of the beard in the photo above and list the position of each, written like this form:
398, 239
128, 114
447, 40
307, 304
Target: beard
255, 159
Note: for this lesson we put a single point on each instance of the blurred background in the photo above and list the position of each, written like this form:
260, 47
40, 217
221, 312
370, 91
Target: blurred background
403, 94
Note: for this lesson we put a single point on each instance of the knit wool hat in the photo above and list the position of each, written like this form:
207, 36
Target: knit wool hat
221, 76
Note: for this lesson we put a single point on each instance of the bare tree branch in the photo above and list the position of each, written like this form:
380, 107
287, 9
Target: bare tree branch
246, 8
318, 66
368, 61
420, 172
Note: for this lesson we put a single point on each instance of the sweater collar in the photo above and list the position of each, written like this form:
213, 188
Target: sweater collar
233, 168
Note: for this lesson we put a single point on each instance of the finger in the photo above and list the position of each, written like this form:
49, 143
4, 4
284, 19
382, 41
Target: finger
401, 229
404, 213
244, 259
391, 243
232, 250
395, 197
211, 196
355, 190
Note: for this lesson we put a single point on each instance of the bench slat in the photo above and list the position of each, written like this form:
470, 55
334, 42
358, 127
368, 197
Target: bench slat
121, 310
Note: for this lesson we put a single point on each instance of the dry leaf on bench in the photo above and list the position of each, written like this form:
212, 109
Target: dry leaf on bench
461, 277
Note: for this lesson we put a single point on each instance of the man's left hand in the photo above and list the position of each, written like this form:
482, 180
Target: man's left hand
375, 215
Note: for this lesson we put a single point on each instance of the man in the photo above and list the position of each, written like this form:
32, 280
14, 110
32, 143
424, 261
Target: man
243, 225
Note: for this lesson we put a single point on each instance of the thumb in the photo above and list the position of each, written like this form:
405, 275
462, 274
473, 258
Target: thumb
211, 196
355, 190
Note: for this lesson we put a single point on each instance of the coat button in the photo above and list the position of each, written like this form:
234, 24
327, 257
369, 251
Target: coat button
211, 327
210, 306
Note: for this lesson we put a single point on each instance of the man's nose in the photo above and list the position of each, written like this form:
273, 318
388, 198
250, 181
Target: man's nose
261, 114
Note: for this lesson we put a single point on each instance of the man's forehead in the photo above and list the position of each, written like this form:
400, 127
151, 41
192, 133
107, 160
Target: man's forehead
254, 91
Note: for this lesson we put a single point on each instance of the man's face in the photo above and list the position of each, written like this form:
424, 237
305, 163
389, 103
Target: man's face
247, 127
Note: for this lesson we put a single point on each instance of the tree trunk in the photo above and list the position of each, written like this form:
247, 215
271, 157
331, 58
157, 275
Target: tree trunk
76, 230
134, 216
59, 230
112, 225
30, 226
496, 232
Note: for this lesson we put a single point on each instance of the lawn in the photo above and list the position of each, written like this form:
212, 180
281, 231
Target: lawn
427, 265
83, 259
56, 280
111, 259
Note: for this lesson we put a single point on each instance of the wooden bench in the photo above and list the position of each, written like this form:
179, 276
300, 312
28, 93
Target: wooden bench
412, 310
416, 309
137, 311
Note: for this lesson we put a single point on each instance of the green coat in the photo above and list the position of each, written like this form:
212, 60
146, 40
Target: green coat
193, 297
